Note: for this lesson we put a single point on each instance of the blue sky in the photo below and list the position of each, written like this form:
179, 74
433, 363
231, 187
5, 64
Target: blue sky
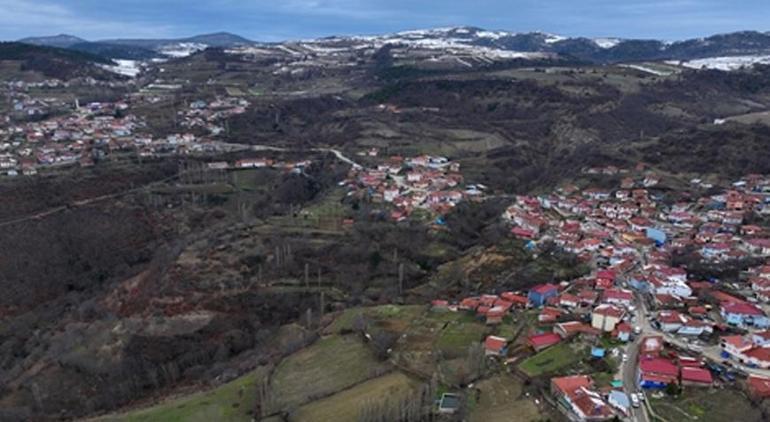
274, 20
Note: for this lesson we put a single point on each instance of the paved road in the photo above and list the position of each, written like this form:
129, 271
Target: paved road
629, 368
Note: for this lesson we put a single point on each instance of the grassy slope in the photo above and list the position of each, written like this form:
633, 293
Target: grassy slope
501, 397
550, 360
344, 406
707, 405
330, 365
233, 401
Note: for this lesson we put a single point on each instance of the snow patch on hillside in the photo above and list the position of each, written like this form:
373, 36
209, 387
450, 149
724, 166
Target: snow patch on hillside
125, 67
725, 64
646, 69
183, 49
606, 42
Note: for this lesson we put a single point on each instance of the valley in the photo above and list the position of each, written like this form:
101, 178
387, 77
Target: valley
311, 230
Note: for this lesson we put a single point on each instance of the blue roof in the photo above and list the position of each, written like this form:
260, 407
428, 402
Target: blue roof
597, 352
620, 398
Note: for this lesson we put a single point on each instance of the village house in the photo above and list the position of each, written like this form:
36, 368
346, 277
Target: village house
616, 296
495, 346
542, 341
696, 377
605, 317
539, 294
744, 314
758, 387
577, 398
745, 350
656, 372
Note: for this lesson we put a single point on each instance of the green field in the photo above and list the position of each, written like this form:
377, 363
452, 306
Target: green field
344, 406
233, 401
550, 360
328, 366
457, 336
394, 316
706, 405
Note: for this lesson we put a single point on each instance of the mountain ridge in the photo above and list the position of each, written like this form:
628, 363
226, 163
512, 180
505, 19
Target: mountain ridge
595, 50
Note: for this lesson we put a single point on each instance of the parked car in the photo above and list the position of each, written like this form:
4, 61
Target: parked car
634, 400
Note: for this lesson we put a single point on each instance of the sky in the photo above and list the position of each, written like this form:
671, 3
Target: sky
276, 20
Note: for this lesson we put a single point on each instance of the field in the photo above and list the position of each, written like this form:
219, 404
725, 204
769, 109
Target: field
457, 336
550, 360
233, 401
394, 316
328, 366
706, 405
501, 397
344, 406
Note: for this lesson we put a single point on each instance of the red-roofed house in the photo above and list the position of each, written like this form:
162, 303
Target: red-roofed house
576, 396
744, 314
495, 346
549, 315
656, 372
469, 303
620, 297
698, 377
517, 300
651, 346
571, 328
670, 321
605, 317
495, 315
542, 341
622, 332
569, 300
759, 387
758, 356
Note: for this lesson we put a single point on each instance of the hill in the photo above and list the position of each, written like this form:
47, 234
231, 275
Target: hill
219, 39
54, 62
60, 41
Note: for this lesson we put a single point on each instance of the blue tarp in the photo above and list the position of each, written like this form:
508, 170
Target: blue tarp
657, 235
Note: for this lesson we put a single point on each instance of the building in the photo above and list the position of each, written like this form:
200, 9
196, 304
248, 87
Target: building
696, 377
620, 297
605, 317
651, 346
622, 332
759, 387
656, 372
743, 349
670, 321
495, 346
578, 400
743, 314
539, 294
543, 341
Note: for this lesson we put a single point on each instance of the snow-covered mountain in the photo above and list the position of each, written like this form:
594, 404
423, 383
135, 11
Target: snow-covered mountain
439, 44
596, 50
